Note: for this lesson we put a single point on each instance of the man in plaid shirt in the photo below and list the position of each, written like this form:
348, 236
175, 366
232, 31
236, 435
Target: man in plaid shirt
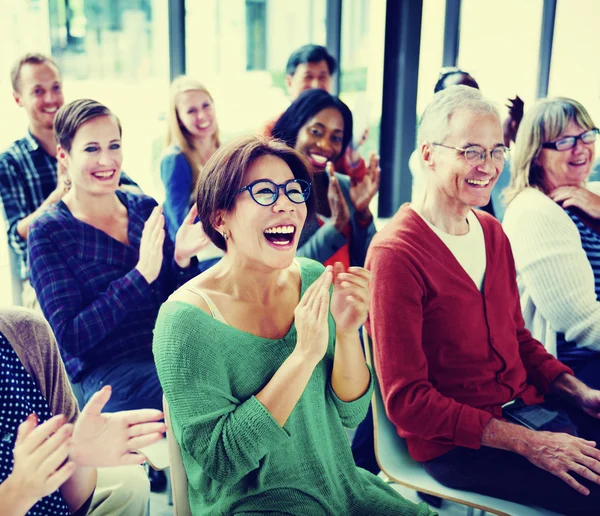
30, 178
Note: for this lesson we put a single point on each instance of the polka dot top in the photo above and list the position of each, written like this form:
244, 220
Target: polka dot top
19, 397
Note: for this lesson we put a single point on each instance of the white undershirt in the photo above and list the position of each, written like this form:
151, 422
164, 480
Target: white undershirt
469, 249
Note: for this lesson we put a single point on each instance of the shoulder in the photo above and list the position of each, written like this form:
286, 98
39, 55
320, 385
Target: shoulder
141, 204
173, 157
26, 331
310, 270
531, 209
405, 227
14, 153
53, 219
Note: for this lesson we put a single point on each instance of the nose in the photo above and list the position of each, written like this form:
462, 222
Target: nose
323, 143
282, 202
489, 165
103, 158
315, 83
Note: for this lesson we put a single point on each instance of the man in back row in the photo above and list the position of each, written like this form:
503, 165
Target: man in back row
312, 67
30, 179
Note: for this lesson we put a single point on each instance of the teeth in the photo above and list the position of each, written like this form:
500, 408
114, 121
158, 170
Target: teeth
318, 158
50, 110
580, 162
204, 125
478, 182
281, 230
104, 174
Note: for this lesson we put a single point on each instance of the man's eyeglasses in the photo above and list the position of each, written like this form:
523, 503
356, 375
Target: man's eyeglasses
475, 155
568, 142
266, 193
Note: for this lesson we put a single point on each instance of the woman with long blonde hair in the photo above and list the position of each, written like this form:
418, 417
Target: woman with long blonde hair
192, 138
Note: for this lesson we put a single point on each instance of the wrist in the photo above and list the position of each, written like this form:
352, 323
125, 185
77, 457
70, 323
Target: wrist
305, 357
567, 386
340, 225
13, 498
364, 216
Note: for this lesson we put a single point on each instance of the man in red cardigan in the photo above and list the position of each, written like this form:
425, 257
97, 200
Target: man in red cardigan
450, 346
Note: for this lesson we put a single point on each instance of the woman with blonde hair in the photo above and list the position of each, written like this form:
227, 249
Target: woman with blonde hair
553, 222
192, 138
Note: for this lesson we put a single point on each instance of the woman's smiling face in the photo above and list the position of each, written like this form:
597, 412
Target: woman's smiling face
321, 138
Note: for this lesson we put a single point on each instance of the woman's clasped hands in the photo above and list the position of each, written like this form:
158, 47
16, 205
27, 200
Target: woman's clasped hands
349, 307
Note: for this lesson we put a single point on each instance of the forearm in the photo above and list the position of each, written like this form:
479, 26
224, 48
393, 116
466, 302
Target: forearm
79, 487
13, 501
569, 388
350, 376
286, 386
505, 436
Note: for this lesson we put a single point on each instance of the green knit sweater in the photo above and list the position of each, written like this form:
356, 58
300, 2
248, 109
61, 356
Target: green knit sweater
236, 456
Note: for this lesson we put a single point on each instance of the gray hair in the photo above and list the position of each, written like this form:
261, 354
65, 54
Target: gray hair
435, 121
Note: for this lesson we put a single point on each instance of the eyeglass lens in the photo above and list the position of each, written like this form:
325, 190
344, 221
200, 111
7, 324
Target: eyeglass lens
267, 192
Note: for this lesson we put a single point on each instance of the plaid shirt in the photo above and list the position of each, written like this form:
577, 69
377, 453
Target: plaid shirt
27, 178
100, 307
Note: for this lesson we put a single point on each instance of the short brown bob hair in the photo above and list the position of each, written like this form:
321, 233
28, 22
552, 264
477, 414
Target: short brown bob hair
73, 115
222, 176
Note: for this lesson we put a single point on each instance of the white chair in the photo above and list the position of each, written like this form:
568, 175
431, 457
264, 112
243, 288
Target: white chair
395, 462
179, 482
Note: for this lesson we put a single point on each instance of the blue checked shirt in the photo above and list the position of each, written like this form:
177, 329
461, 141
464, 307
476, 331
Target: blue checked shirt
100, 307
27, 178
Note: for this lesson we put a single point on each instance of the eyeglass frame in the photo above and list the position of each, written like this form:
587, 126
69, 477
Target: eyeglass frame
481, 158
278, 187
552, 145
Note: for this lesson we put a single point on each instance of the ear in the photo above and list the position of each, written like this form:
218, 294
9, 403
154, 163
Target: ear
218, 222
17, 97
62, 156
288, 82
427, 156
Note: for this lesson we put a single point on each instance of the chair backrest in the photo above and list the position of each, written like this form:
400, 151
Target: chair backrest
179, 482
394, 460
15, 276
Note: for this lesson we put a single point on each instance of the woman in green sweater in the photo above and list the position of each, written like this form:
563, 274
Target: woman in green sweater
261, 366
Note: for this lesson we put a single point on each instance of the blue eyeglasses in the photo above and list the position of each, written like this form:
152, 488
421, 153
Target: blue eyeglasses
266, 193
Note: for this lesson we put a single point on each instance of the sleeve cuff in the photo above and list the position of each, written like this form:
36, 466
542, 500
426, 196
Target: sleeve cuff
134, 286
353, 412
259, 430
470, 426
547, 372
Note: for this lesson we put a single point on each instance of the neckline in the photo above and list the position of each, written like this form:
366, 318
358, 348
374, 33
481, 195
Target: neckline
123, 199
450, 255
291, 331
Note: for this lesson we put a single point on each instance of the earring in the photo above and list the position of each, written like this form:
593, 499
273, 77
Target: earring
225, 237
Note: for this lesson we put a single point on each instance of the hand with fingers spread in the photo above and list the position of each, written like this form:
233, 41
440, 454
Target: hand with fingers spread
350, 298
190, 239
40, 463
311, 319
578, 197
111, 439
151, 246
563, 454
340, 213
363, 191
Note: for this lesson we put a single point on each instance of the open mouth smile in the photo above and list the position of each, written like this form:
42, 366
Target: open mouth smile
280, 236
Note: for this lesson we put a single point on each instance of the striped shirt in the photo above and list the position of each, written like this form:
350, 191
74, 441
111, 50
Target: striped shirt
27, 178
101, 309
568, 352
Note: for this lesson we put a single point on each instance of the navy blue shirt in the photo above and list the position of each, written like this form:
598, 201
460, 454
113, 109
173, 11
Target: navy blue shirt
100, 307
